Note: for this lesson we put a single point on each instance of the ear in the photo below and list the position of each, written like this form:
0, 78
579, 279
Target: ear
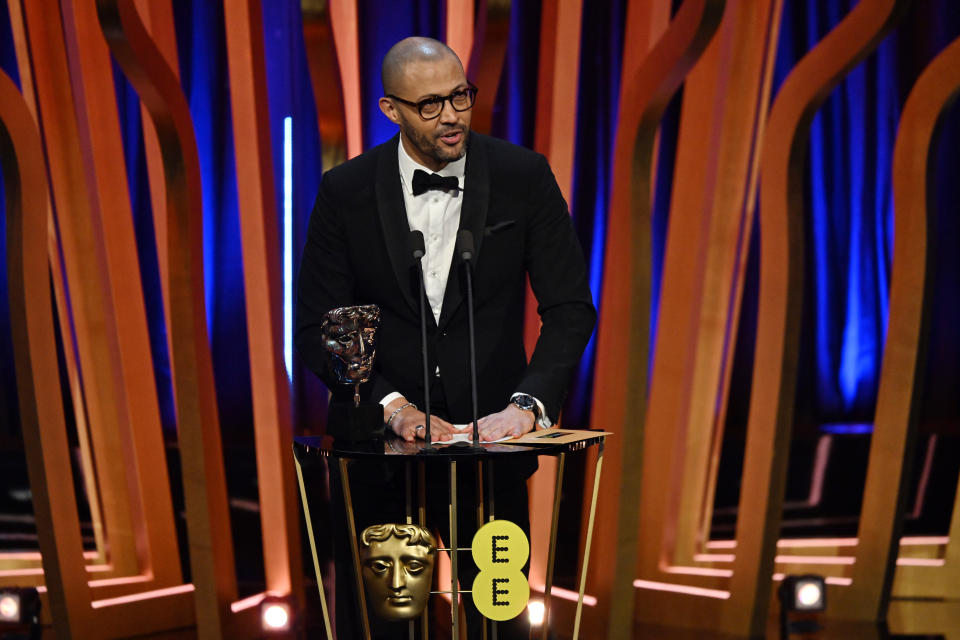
386, 106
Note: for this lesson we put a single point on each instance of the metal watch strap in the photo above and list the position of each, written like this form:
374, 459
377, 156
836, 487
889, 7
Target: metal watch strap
533, 408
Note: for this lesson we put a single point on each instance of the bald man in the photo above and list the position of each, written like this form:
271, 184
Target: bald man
437, 177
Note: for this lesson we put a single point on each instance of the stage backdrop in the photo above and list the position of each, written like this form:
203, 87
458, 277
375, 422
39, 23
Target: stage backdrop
683, 359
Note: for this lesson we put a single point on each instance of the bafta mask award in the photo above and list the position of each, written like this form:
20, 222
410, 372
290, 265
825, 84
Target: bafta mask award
349, 336
397, 567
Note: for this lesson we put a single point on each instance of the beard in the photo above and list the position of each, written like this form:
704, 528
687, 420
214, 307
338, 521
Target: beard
430, 145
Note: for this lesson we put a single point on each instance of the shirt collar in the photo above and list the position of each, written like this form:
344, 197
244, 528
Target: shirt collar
408, 165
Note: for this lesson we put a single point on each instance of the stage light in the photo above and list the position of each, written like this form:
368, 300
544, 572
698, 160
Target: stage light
802, 594
276, 615
19, 612
19, 605
10, 607
288, 245
809, 596
535, 612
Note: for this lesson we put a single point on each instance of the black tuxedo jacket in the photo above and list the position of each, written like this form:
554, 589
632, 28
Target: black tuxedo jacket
358, 252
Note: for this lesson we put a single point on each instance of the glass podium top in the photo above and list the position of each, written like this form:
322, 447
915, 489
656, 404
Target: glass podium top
547, 442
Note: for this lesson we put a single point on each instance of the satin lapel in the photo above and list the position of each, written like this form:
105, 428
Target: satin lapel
473, 217
393, 220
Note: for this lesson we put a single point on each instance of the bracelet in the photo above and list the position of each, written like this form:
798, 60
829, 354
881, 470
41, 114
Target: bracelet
398, 410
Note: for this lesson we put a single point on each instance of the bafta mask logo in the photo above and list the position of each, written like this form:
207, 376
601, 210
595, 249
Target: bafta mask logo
397, 565
349, 336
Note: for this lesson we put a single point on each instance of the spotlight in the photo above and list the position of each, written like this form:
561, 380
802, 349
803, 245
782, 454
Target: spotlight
807, 594
20, 609
803, 593
276, 615
535, 611
10, 607
19, 605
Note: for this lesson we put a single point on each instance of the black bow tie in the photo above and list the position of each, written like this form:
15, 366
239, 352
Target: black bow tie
423, 182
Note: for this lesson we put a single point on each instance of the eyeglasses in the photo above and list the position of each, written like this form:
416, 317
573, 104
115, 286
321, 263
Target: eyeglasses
460, 100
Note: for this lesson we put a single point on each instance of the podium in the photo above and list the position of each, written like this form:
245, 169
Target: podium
316, 455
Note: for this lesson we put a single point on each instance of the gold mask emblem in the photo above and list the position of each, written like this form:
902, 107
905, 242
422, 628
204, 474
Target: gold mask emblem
397, 562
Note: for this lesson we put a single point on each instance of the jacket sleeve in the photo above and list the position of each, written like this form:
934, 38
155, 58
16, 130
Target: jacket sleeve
326, 281
558, 277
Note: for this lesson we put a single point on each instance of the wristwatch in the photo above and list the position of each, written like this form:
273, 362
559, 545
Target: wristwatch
527, 403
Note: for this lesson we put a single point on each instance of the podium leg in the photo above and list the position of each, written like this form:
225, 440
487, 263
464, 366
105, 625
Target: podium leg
313, 549
454, 549
586, 546
552, 552
408, 499
408, 491
480, 492
352, 528
422, 521
490, 518
480, 523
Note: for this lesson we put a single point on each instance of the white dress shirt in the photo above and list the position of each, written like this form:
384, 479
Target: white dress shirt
436, 214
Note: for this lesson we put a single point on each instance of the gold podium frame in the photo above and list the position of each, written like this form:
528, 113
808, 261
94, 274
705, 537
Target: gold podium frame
453, 549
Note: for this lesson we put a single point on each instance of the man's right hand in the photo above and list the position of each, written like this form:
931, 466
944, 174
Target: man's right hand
406, 422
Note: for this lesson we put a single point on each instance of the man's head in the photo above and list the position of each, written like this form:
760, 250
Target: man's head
349, 336
397, 561
417, 69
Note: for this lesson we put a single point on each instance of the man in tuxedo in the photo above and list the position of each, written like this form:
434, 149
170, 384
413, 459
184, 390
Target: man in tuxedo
438, 177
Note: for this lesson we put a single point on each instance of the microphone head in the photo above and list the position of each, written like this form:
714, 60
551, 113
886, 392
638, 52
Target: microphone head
465, 244
416, 245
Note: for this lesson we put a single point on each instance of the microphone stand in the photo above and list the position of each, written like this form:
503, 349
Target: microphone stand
465, 249
468, 265
416, 239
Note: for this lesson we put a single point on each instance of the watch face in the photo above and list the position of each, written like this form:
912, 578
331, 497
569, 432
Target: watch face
525, 402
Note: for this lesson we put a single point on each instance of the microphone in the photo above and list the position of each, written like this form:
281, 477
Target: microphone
418, 251
464, 248
416, 245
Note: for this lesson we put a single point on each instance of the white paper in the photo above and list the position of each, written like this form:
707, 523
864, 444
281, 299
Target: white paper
467, 436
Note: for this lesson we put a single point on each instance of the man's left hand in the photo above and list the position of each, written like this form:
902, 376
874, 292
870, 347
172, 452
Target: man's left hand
512, 421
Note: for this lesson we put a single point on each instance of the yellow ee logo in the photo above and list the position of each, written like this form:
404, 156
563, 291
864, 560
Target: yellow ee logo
500, 590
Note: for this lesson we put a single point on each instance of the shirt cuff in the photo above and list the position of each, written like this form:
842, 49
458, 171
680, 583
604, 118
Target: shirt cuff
390, 397
543, 422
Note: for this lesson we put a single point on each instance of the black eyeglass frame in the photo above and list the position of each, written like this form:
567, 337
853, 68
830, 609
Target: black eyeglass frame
471, 88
